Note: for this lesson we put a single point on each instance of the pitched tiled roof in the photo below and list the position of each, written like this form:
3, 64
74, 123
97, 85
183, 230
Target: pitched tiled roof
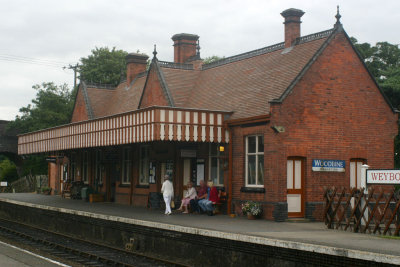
109, 101
244, 84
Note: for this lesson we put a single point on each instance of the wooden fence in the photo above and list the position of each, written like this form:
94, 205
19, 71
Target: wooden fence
375, 212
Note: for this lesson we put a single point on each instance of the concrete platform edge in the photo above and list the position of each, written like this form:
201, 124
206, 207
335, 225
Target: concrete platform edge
333, 251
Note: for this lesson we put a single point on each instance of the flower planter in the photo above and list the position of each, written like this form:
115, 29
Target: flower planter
251, 216
96, 198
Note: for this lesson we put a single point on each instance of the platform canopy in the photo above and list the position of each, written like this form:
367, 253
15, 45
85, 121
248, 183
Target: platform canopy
139, 126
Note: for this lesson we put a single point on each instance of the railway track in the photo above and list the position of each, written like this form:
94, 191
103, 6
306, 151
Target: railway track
76, 250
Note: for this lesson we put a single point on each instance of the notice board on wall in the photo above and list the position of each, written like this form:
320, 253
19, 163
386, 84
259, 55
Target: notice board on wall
199, 170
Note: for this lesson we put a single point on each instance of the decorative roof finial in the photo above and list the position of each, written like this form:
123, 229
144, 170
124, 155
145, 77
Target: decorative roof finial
155, 51
338, 16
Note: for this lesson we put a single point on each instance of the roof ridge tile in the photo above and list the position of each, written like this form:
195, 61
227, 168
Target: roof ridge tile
267, 49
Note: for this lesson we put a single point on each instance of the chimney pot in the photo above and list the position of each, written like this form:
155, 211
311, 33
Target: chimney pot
185, 45
292, 25
135, 64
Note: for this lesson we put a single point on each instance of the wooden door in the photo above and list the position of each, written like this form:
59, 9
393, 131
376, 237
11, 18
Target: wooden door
355, 172
295, 187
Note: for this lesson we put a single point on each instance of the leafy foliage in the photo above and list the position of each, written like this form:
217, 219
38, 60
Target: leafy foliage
383, 61
251, 207
8, 171
212, 59
103, 66
52, 106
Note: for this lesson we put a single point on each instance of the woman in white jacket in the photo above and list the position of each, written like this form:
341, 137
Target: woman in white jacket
168, 193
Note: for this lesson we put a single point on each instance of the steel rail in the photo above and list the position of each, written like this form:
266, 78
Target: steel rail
95, 254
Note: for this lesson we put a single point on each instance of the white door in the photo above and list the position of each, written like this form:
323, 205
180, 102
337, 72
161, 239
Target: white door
186, 171
355, 172
295, 198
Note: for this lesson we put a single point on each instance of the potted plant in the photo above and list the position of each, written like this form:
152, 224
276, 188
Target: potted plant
46, 190
251, 209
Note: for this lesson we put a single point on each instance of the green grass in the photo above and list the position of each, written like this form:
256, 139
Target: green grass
390, 237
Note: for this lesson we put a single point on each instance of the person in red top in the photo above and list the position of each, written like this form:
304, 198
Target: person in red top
201, 194
206, 204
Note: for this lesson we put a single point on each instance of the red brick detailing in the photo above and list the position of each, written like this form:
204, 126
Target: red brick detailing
334, 112
292, 25
153, 94
80, 112
53, 171
184, 46
135, 64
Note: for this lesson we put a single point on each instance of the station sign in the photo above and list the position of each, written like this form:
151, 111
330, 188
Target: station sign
389, 177
188, 153
51, 159
328, 165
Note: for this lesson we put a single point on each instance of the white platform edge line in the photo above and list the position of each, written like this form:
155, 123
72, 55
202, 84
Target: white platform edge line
35, 255
334, 251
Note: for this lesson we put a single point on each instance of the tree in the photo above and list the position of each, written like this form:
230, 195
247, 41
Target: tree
212, 59
52, 107
8, 171
383, 61
103, 66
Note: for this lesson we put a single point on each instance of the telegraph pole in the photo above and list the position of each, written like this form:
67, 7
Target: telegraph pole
75, 69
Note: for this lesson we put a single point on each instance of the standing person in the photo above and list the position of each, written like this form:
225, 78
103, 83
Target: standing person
168, 193
189, 195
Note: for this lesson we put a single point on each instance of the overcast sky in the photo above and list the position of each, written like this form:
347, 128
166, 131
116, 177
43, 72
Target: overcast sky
59, 33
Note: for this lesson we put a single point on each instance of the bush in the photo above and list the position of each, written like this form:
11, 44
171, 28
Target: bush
8, 171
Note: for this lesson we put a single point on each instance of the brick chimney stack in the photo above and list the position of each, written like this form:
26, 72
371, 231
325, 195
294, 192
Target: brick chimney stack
135, 64
292, 25
184, 46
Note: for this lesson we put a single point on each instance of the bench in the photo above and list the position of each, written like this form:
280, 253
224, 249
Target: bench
222, 201
66, 193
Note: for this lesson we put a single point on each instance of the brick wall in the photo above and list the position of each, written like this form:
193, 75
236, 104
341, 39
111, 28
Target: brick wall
79, 113
334, 112
153, 94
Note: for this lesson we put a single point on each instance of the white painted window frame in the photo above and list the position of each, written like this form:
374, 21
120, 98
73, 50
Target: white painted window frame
210, 157
247, 154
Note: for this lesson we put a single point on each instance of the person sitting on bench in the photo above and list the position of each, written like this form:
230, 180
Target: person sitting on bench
189, 195
202, 194
206, 204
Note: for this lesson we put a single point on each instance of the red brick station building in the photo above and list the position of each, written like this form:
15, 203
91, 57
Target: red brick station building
256, 124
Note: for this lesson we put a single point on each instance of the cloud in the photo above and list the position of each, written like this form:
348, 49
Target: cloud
65, 31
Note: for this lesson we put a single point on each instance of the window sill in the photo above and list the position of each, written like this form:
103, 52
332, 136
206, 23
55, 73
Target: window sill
142, 186
260, 190
124, 185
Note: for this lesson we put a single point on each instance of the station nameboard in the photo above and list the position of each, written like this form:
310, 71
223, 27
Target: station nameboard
328, 165
383, 177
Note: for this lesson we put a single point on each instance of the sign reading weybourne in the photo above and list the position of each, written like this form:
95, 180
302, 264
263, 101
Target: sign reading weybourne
383, 177
328, 165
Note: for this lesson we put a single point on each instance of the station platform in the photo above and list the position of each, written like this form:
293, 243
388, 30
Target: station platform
305, 236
